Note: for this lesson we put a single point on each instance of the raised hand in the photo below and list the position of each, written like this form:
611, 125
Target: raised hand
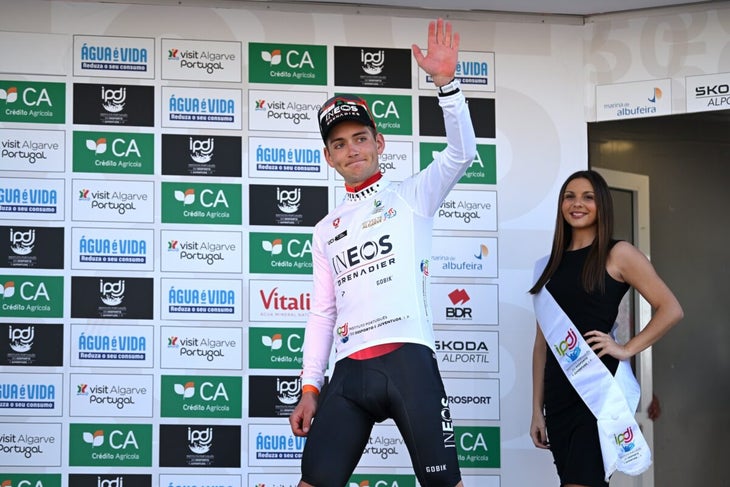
442, 52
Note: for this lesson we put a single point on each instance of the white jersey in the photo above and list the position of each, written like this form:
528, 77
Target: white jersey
371, 256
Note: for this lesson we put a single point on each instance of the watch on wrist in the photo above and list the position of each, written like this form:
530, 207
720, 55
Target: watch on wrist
449, 88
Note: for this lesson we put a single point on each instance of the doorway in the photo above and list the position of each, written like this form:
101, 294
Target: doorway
686, 158
630, 193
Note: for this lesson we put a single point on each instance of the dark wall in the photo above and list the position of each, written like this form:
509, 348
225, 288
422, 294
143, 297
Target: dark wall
687, 159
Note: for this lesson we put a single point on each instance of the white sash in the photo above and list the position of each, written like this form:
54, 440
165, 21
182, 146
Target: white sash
612, 400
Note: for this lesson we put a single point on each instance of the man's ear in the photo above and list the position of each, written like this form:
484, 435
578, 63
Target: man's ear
380, 141
327, 156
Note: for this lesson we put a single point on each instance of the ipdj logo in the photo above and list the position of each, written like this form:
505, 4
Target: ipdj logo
201, 151
112, 293
372, 62
113, 100
21, 339
568, 348
22, 243
200, 441
625, 440
289, 200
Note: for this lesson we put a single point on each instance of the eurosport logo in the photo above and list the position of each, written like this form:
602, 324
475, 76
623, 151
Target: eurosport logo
117, 395
467, 351
473, 398
32, 150
32, 199
201, 348
201, 299
193, 251
93, 345
112, 56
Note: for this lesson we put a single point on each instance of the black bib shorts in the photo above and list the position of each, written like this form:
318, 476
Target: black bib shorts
404, 385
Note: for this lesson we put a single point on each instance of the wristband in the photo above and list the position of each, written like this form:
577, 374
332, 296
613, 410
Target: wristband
310, 388
449, 88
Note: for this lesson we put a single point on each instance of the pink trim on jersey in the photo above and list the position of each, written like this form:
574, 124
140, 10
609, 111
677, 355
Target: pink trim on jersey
375, 351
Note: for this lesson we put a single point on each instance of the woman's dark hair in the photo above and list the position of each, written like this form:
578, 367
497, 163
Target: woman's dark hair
594, 268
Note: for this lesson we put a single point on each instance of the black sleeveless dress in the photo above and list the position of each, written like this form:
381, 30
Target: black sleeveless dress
571, 427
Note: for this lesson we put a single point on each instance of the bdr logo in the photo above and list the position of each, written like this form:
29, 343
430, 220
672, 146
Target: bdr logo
458, 296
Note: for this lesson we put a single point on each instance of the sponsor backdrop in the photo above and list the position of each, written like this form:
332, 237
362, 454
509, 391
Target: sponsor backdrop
160, 175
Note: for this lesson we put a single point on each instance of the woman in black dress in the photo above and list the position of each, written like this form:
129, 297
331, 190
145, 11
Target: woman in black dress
588, 273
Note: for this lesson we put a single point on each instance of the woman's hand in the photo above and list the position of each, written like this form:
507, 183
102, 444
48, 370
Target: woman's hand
604, 344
